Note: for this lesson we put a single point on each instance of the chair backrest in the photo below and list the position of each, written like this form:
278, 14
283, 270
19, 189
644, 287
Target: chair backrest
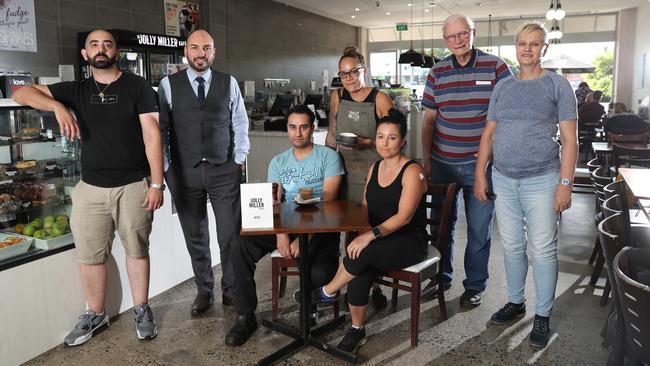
617, 187
611, 244
440, 201
600, 180
641, 138
593, 164
630, 155
608, 207
632, 269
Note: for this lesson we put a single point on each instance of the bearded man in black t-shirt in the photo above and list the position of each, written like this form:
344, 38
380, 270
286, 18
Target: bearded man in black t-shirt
122, 175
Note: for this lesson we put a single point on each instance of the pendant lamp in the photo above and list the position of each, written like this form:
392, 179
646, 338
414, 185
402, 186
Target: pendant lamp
411, 56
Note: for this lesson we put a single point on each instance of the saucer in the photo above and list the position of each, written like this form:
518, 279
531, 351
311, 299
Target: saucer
301, 202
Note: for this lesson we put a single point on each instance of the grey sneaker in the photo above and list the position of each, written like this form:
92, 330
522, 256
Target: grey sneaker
89, 322
145, 326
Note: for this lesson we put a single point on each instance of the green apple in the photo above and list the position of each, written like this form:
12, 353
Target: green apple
37, 223
29, 230
57, 230
48, 218
48, 224
62, 217
39, 234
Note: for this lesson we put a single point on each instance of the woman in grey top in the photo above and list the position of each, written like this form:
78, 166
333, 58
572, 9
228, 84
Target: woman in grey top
532, 180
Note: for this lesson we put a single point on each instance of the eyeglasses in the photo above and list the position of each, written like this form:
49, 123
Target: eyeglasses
352, 73
460, 35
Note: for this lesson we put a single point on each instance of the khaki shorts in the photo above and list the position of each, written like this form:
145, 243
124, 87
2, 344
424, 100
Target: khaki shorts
98, 211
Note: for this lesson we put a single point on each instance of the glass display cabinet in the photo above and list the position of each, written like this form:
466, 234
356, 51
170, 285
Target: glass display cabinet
38, 170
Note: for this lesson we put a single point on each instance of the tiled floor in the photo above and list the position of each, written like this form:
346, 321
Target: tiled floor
465, 338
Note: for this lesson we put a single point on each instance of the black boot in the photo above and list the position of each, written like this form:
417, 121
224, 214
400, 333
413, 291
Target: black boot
245, 326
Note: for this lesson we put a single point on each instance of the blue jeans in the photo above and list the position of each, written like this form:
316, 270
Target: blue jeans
526, 218
479, 224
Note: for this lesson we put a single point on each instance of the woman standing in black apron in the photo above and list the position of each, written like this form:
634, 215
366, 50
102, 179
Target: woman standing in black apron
357, 108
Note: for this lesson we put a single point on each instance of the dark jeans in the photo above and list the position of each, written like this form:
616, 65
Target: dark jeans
190, 188
323, 255
395, 251
479, 223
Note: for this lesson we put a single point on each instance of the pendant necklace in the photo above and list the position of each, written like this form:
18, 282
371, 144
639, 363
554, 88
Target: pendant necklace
101, 91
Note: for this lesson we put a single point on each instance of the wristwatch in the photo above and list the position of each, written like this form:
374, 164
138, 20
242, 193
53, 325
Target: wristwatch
158, 186
565, 181
376, 232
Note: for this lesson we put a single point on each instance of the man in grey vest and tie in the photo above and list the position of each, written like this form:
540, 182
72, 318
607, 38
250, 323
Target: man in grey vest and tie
205, 135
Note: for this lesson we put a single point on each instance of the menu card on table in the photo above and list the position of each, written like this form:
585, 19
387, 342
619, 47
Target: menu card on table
256, 205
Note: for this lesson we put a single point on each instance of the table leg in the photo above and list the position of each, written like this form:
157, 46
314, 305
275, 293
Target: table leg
305, 295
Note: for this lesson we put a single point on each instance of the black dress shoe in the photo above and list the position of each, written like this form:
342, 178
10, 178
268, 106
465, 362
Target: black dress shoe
245, 326
226, 300
202, 303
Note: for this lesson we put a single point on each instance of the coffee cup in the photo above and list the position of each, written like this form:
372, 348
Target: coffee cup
347, 138
306, 193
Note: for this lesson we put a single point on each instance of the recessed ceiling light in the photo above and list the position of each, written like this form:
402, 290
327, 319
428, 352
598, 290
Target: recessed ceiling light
389, 11
353, 17
410, 4
356, 9
426, 10
433, 3
479, 4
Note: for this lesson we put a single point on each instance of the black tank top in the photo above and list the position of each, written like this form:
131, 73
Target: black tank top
383, 202
369, 99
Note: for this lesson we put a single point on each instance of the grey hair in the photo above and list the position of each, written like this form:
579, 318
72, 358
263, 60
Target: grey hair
454, 17
532, 27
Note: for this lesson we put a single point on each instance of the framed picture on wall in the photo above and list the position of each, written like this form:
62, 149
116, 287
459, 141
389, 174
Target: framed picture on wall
181, 17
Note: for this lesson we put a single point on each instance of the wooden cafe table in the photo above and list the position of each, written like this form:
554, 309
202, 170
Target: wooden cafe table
324, 217
638, 182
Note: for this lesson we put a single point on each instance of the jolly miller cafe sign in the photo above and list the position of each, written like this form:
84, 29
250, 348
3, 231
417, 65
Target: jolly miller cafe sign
17, 25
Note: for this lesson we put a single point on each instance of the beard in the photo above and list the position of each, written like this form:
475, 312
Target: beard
207, 64
102, 64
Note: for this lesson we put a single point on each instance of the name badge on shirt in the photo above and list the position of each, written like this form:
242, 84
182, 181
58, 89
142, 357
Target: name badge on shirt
483, 82
106, 99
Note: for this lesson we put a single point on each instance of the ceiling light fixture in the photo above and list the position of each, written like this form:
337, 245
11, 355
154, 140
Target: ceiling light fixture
555, 11
356, 9
411, 56
388, 13
353, 17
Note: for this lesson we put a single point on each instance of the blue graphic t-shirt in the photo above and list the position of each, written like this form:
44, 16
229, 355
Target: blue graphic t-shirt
294, 174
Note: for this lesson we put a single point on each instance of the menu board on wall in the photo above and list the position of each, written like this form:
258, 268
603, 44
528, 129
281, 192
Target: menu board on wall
181, 17
17, 25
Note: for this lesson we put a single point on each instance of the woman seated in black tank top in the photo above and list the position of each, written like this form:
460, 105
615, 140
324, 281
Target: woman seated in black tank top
395, 200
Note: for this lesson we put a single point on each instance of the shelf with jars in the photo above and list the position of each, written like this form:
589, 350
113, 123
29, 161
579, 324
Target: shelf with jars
38, 170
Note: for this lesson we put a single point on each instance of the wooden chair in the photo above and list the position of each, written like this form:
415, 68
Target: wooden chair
282, 267
632, 271
600, 180
440, 201
615, 327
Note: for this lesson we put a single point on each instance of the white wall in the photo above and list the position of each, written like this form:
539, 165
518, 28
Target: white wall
642, 46
626, 37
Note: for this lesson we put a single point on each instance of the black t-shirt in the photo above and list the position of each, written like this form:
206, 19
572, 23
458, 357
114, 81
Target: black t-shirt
113, 151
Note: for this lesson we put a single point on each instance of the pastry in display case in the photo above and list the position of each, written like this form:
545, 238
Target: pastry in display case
38, 169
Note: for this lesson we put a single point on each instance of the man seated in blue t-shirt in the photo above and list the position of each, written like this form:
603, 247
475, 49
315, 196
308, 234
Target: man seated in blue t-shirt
304, 165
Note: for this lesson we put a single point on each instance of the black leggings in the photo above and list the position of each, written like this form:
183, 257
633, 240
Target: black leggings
396, 251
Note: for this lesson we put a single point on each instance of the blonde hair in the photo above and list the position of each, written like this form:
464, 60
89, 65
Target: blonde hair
532, 27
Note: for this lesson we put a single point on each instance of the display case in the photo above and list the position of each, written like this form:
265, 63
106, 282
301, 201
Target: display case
38, 169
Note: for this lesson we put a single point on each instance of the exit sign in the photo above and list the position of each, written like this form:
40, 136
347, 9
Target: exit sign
402, 27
